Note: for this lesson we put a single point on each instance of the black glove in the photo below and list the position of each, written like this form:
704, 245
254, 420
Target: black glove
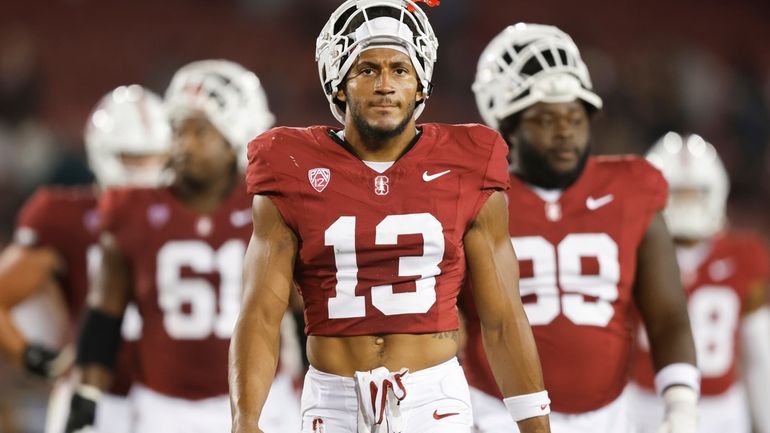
82, 409
40, 361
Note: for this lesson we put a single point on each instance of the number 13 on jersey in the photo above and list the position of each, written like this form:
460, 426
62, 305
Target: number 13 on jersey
341, 236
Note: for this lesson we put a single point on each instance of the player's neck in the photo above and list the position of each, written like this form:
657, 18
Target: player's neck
377, 149
205, 197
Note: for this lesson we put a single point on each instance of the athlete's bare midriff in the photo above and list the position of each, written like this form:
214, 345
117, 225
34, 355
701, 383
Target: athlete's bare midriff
343, 356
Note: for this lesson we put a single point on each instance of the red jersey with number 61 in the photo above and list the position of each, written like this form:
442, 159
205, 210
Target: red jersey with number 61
382, 252
717, 289
186, 273
577, 257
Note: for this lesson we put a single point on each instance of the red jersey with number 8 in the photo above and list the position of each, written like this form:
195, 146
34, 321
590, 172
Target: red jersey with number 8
577, 258
717, 290
382, 252
186, 273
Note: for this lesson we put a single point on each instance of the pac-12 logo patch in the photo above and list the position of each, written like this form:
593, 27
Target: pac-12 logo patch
319, 178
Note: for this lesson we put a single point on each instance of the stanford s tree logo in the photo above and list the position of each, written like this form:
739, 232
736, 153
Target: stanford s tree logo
319, 178
381, 185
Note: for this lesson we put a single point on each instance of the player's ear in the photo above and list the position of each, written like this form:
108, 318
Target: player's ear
419, 96
340, 96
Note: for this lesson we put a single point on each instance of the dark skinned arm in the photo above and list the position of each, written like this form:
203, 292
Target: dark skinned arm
109, 295
268, 282
508, 339
661, 299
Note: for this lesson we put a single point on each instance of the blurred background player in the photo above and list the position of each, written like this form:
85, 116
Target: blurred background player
726, 275
55, 253
377, 224
177, 252
590, 240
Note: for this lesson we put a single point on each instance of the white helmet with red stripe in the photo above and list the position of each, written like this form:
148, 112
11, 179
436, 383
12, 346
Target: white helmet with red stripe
128, 121
698, 185
358, 25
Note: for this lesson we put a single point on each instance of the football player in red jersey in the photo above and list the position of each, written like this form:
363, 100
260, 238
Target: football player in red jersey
377, 224
726, 275
591, 245
177, 252
127, 139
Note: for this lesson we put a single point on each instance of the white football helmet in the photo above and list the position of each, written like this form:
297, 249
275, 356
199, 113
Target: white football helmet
338, 45
130, 121
526, 64
698, 185
230, 96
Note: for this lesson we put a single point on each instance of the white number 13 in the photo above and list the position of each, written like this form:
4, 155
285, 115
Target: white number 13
341, 236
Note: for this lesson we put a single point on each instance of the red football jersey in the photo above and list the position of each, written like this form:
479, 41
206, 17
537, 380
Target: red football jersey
578, 263
66, 220
383, 252
716, 291
187, 284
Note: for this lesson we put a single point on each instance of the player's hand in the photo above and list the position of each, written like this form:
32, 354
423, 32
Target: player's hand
47, 363
83, 410
681, 410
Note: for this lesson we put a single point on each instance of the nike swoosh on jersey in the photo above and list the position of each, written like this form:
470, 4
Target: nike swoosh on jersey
429, 177
437, 415
596, 203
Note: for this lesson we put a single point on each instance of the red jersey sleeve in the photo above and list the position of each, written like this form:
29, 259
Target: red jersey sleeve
651, 180
265, 176
495, 176
35, 225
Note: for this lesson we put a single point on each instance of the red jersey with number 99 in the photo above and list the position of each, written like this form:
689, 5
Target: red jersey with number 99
382, 252
717, 289
577, 259
186, 273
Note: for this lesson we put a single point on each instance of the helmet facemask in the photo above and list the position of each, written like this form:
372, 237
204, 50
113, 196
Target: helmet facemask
526, 64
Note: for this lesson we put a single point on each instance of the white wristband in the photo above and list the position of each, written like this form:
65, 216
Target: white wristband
526, 406
679, 373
